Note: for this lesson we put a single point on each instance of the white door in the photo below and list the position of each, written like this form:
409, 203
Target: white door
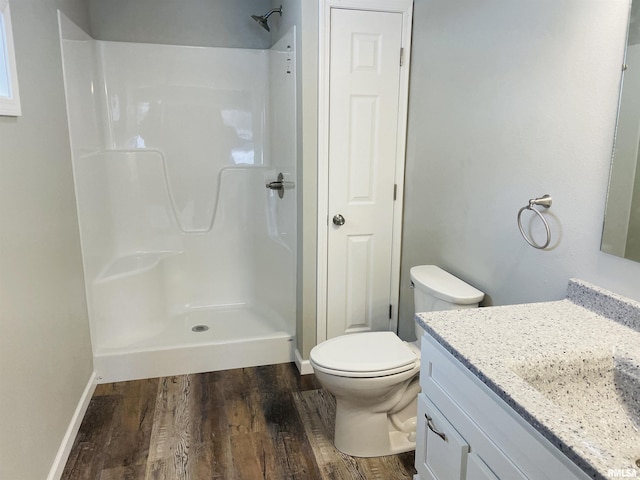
364, 85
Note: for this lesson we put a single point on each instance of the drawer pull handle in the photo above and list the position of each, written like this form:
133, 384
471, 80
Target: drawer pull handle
433, 428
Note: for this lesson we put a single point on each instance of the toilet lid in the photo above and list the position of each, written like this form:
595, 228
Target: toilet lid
371, 353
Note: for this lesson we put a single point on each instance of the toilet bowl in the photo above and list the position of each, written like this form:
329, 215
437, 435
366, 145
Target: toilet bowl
374, 376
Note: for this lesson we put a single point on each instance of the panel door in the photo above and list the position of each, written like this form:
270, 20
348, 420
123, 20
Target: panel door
363, 133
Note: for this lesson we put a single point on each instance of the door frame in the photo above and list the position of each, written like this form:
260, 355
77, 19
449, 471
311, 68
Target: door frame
404, 7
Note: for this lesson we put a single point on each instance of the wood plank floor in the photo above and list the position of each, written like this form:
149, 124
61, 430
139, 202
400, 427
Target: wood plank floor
243, 424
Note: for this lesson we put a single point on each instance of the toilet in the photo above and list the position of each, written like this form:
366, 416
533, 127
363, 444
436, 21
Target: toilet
374, 376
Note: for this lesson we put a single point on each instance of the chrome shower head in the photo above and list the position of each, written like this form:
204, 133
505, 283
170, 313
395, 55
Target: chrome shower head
262, 19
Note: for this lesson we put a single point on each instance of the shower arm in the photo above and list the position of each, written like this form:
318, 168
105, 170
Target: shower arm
272, 11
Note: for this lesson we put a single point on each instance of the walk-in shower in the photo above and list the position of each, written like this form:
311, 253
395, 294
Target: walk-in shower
189, 260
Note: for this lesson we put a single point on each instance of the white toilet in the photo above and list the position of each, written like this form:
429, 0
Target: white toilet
374, 375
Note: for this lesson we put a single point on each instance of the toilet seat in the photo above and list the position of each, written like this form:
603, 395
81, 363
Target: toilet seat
368, 354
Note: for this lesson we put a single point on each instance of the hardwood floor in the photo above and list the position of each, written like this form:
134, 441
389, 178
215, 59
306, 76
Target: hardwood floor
243, 424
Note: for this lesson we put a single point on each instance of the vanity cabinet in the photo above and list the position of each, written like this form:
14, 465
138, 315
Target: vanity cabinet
466, 432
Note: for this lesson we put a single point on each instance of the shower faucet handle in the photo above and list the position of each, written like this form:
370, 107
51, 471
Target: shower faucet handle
275, 185
280, 185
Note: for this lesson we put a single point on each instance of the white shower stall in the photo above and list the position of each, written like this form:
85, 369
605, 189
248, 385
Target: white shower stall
189, 260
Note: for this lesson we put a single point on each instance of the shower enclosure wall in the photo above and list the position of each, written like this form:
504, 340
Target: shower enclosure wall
189, 260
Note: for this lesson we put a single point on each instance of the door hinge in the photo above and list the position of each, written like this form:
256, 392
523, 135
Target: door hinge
390, 312
395, 191
401, 56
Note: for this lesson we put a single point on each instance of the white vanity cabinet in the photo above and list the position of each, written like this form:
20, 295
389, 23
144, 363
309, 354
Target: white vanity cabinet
466, 432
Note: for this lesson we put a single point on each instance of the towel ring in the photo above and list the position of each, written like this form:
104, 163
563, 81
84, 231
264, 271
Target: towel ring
544, 201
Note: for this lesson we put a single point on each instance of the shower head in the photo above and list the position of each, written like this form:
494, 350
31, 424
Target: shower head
262, 19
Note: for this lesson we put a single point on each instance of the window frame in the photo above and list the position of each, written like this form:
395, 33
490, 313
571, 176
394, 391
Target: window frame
9, 106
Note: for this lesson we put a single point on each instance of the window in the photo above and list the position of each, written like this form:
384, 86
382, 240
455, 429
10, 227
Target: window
9, 97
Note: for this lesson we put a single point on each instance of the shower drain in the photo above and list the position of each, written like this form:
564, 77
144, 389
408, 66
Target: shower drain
200, 328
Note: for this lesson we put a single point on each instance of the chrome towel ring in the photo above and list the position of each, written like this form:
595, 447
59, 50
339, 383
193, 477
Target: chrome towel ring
544, 201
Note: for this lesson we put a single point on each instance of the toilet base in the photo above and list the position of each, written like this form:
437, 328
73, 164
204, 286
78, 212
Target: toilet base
363, 434
396, 442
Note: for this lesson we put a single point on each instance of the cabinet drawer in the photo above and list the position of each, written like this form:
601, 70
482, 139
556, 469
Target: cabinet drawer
441, 452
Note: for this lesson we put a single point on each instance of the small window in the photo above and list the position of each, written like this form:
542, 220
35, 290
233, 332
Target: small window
9, 97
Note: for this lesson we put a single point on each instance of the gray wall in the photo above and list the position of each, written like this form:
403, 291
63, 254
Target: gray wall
308, 179
509, 101
45, 350
77, 11
207, 23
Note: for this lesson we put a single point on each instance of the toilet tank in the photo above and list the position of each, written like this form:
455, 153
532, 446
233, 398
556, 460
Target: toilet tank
435, 290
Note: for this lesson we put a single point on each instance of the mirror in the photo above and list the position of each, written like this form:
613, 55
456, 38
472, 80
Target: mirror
621, 232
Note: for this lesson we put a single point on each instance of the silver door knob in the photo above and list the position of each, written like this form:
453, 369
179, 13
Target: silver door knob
338, 220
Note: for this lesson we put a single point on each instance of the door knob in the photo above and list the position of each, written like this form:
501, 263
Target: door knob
338, 220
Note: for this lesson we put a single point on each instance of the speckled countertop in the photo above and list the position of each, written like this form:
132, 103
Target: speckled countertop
570, 368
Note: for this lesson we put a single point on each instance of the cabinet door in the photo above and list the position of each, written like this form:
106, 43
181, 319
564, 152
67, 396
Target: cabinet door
477, 469
441, 452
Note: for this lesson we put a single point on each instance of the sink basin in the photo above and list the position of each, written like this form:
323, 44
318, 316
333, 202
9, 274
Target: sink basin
598, 398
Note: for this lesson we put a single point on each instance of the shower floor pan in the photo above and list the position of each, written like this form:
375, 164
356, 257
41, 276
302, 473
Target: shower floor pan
225, 338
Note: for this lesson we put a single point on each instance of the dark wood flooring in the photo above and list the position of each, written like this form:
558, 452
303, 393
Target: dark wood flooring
244, 424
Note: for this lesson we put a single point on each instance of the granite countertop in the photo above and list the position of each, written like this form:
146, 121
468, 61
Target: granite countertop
571, 368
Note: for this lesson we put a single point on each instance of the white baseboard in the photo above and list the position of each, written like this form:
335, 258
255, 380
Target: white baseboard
72, 430
304, 366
